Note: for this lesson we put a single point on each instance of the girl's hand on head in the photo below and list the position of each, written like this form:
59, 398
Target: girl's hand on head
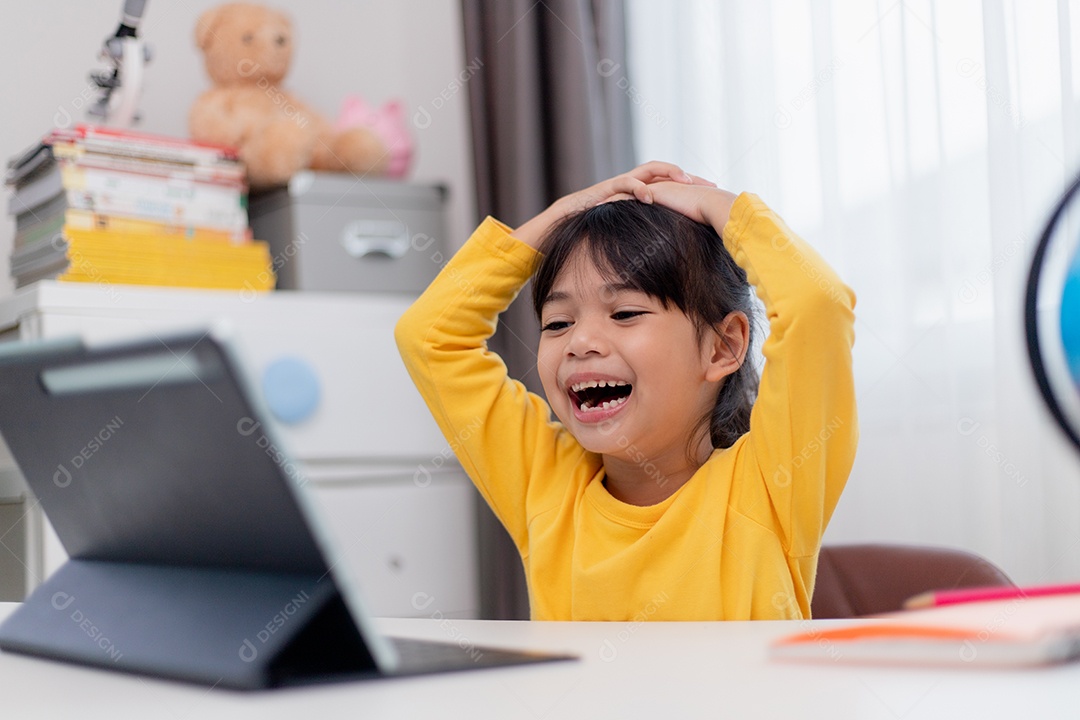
634, 184
706, 204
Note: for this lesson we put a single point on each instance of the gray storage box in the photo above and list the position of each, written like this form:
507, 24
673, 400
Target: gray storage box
332, 231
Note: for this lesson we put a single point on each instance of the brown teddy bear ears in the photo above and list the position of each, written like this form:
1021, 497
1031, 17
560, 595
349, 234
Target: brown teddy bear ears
204, 27
207, 23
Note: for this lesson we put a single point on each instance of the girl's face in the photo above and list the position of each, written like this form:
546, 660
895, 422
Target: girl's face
627, 376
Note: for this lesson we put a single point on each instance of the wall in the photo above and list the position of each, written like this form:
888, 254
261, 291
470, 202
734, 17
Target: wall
410, 49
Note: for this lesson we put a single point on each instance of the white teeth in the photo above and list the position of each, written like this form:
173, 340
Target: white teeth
578, 387
586, 407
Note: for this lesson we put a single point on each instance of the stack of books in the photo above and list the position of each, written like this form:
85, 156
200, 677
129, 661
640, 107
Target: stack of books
102, 205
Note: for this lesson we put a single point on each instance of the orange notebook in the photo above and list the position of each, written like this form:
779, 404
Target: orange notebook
1006, 633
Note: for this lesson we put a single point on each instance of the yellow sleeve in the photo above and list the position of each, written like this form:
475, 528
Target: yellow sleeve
803, 429
502, 434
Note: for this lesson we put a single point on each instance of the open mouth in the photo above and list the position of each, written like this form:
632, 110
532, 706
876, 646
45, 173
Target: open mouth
599, 394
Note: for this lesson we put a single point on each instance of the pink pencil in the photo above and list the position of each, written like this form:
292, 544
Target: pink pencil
981, 594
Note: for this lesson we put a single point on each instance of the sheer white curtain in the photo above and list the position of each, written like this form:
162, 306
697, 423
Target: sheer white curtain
919, 145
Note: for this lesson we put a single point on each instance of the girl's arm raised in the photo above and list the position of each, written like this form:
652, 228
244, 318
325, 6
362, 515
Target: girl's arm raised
493, 425
803, 427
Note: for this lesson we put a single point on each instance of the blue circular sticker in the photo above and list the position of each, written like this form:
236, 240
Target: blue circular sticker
291, 388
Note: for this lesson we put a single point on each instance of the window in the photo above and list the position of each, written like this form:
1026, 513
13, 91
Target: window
919, 145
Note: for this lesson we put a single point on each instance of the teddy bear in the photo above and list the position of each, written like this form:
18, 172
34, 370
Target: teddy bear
247, 48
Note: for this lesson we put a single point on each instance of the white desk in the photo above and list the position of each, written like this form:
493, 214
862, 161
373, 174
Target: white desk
655, 671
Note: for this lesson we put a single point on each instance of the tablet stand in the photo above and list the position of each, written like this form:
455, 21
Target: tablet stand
241, 629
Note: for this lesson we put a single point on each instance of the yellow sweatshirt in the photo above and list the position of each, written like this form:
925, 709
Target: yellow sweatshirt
740, 539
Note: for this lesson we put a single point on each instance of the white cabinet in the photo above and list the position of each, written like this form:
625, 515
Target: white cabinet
394, 532
408, 536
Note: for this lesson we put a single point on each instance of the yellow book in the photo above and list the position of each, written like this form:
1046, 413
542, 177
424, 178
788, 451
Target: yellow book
206, 283
133, 245
88, 220
253, 279
95, 256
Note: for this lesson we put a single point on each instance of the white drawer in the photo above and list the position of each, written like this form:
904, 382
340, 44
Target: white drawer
411, 548
367, 406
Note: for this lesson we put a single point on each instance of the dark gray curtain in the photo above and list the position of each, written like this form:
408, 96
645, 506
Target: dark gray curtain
550, 115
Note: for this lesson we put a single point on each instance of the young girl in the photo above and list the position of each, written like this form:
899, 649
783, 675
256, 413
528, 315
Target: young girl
660, 493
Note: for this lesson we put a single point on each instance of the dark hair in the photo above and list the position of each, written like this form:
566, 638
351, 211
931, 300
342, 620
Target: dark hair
663, 253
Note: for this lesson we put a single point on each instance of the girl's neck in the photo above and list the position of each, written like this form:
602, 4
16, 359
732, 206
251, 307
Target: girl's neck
635, 479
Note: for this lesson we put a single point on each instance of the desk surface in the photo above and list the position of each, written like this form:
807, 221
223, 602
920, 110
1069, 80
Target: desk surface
627, 670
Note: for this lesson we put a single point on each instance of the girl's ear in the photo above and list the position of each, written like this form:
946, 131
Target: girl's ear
727, 346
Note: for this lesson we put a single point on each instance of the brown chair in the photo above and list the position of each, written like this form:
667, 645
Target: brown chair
854, 580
